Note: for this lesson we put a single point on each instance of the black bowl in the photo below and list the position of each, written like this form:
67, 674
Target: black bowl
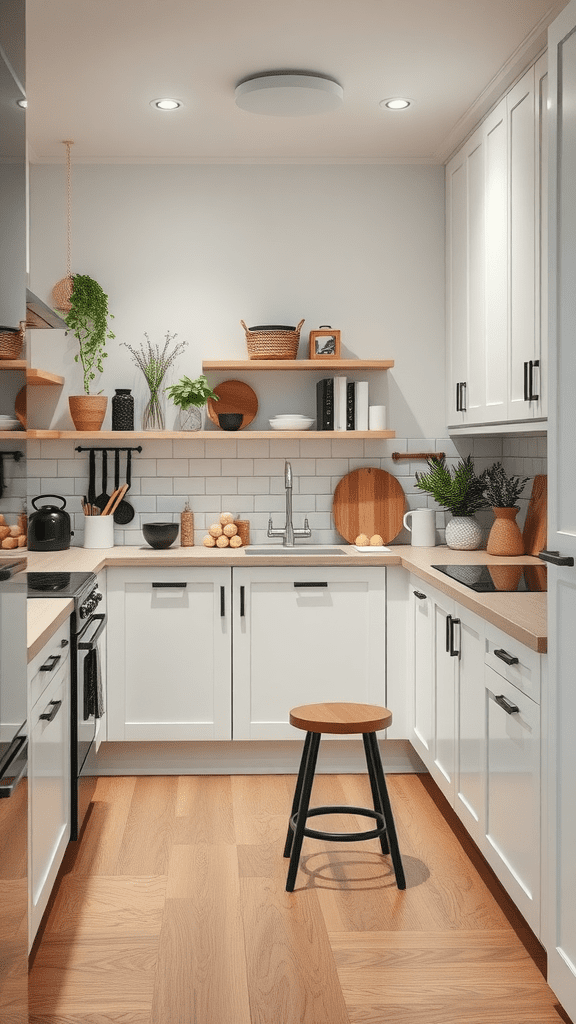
160, 535
230, 420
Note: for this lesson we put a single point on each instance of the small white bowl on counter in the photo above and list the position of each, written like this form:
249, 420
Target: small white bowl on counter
295, 422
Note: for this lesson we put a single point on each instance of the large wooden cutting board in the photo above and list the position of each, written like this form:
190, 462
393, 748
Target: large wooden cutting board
535, 530
368, 501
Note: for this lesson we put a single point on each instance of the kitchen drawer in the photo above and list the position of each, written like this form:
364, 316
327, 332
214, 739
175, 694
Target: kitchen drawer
48, 661
523, 673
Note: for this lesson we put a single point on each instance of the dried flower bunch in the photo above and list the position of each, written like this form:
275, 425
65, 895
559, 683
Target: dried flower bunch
460, 490
502, 491
155, 363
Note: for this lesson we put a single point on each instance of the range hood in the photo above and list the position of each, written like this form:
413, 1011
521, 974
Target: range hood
38, 314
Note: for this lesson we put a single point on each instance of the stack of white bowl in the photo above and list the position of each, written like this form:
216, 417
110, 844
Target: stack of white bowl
291, 421
9, 423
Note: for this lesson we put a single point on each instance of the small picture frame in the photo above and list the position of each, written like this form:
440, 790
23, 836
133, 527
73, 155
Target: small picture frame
325, 344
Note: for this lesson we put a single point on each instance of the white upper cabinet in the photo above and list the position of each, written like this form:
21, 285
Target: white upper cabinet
495, 251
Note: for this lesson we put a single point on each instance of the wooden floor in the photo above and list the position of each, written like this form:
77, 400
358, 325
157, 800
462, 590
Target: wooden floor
172, 910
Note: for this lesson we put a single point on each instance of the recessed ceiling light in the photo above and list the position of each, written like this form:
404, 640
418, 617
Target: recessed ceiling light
22, 103
396, 103
166, 104
289, 94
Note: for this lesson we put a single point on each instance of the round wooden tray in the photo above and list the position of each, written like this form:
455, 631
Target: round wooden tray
368, 501
20, 406
234, 396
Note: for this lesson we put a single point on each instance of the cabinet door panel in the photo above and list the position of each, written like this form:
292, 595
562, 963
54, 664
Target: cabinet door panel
305, 644
470, 728
496, 266
443, 765
422, 673
457, 257
169, 654
513, 794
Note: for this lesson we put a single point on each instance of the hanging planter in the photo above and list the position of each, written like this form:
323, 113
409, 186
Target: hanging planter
62, 291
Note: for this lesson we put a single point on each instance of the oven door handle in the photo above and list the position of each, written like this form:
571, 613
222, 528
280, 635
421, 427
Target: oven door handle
16, 749
87, 645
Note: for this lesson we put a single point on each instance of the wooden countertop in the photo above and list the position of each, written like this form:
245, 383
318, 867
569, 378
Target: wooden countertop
44, 618
522, 616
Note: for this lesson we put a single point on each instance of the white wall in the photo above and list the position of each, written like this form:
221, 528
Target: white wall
193, 249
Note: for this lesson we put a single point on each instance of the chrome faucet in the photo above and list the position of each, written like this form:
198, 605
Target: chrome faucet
289, 534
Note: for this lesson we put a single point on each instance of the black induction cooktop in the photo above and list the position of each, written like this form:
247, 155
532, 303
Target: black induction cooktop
504, 578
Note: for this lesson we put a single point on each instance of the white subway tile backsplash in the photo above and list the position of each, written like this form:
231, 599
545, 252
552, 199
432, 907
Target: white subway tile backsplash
316, 485
73, 467
171, 467
156, 485
188, 449
285, 448
189, 485
153, 449
221, 485
42, 467
254, 485
204, 467
237, 467
224, 448
140, 467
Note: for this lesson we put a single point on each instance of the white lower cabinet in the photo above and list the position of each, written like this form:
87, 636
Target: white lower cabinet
169, 637
48, 772
476, 726
305, 635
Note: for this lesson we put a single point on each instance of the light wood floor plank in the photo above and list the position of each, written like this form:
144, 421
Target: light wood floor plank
99, 849
291, 972
204, 810
261, 807
90, 1018
87, 906
149, 832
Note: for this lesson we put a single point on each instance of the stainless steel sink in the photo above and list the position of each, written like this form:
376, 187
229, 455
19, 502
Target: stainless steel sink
298, 549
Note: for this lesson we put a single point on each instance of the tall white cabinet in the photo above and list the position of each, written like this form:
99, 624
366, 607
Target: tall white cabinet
496, 253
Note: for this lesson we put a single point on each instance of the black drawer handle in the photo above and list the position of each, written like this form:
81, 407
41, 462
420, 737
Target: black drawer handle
310, 583
508, 658
222, 602
165, 586
242, 608
419, 595
49, 716
50, 663
556, 558
454, 653
509, 707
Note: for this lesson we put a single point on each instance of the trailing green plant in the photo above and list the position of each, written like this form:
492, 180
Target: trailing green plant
502, 491
88, 321
459, 490
187, 393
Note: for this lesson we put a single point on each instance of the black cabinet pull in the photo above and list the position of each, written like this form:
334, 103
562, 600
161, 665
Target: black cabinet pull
222, 602
50, 663
510, 659
448, 632
419, 595
164, 586
460, 396
242, 609
310, 583
509, 707
64, 643
457, 398
453, 622
556, 558
526, 387
55, 706
532, 396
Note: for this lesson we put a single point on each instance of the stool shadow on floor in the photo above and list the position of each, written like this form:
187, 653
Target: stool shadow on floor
357, 871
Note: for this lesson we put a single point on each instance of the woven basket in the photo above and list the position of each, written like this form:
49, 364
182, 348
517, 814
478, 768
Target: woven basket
11, 341
272, 344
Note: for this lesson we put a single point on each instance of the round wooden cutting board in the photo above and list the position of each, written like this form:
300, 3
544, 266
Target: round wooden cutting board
368, 501
234, 396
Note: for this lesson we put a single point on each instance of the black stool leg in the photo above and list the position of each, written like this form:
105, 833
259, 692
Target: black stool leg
297, 792
374, 787
303, 809
387, 812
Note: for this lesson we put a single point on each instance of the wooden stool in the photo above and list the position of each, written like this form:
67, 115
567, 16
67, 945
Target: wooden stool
315, 719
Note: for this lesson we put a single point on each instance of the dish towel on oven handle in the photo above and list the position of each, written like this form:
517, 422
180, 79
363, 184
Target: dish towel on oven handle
93, 695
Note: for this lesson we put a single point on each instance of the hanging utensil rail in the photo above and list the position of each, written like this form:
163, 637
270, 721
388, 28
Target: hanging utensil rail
113, 449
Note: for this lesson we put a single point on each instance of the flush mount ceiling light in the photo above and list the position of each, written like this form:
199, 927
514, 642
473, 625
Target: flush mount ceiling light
289, 94
166, 104
22, 103
395, 103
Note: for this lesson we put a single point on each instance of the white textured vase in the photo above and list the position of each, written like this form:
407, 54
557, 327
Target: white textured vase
190, 419
463, 533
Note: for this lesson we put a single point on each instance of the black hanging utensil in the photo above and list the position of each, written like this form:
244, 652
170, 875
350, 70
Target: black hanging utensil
125, 513
102, 500
92, 478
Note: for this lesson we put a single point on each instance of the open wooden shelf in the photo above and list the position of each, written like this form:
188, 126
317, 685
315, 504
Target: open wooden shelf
13, 364
297, 364
32, 376
209, 435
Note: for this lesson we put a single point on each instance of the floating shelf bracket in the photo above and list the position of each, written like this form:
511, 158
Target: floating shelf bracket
417, 455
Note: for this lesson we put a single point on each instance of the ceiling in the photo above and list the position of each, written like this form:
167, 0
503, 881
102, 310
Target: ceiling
93, 66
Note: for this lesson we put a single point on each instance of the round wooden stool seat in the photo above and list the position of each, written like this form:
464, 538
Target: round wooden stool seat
340, 718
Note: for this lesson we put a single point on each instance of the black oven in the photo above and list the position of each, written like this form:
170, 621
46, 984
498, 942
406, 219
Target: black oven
87, 626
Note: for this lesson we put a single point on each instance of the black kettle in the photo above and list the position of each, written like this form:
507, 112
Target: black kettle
49, 527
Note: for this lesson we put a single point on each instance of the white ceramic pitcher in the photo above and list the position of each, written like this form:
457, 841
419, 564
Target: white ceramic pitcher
423, 528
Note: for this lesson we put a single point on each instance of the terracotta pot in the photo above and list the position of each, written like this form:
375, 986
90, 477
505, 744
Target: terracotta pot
463, 533
505, 537
87, 411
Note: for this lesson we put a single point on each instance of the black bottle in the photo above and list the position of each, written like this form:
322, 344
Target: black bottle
123, 410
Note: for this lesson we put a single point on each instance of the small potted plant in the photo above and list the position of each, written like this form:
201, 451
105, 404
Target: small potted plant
502, 493
191, 396
461, 492
88, 321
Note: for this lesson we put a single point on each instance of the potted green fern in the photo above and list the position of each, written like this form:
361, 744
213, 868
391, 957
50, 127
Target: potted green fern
88, 321
461, 492
502, 493
191, 396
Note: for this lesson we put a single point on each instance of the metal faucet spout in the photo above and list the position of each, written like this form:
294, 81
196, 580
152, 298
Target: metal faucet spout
289, 534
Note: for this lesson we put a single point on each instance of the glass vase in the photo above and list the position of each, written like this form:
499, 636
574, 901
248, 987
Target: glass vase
153, 415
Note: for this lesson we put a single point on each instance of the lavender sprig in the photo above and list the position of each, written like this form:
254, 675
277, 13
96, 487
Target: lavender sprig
154, 364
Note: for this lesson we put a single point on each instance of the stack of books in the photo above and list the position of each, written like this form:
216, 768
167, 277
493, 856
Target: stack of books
341, 404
